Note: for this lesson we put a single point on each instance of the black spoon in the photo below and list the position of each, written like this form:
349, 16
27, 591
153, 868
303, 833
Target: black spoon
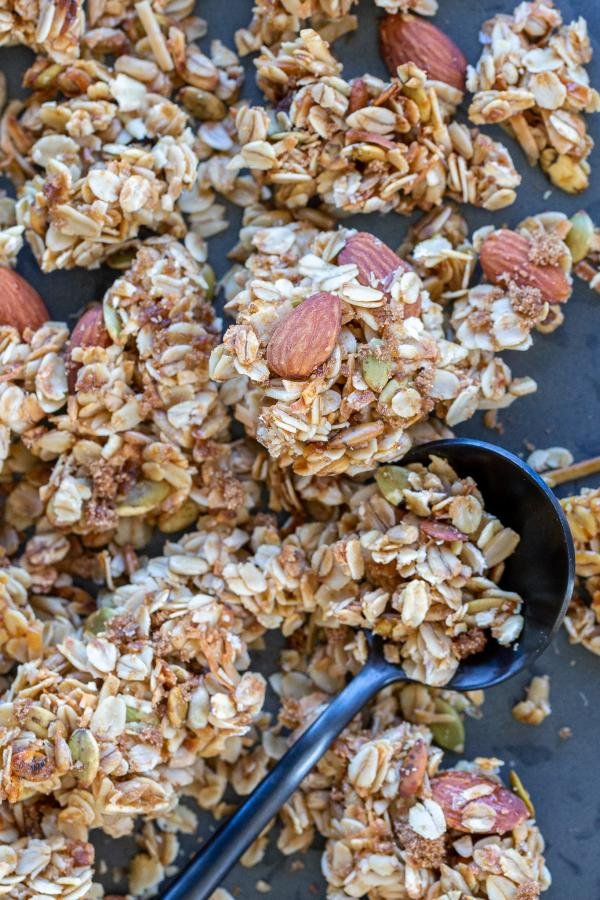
541, 570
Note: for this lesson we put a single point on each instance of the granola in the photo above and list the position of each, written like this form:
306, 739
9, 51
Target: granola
531, 77
113, 438
364, 145
373, 797
536, 707
275, 21
54, 27
583, 619
394, 362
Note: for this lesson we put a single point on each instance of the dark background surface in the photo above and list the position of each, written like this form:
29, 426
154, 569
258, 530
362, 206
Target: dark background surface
563, 776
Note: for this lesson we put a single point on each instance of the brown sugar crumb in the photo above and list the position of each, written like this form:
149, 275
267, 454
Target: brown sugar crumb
546, 250
529, 890
419, 851
527, 301
472, 641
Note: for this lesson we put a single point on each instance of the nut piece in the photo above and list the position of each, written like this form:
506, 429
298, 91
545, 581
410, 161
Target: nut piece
413, 770
90, 331
306, 337
406, 39
477, 805
375, 261
440, 531
506, 256
20, 304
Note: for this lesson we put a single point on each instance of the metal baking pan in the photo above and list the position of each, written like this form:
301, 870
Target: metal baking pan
562, 776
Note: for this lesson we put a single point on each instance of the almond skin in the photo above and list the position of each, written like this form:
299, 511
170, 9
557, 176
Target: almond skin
90, 331
504, 257
376, 263
20, 304
306, 337
405, 38
413, 770
454, 791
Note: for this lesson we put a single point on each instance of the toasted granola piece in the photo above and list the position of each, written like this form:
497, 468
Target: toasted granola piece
536, 707
54, 27
392, 365
389, 146
140, 438
543, 100
583, 619
379, 841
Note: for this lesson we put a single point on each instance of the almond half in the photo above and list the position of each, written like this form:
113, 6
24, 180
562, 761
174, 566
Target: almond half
505, 256
405, 38
306, 337
90, 331
20, 304
477, 805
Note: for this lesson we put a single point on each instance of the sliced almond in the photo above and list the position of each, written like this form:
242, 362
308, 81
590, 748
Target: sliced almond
20, 304
306, 337
413, 770
506, 256
405, 38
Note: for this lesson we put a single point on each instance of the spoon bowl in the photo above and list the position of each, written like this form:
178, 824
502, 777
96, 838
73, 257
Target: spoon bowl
541, 570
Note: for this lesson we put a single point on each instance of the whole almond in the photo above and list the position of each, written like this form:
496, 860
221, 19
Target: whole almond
90, 331
376, 263
505, 256
462, 795
306, 337
405, 38
20, 304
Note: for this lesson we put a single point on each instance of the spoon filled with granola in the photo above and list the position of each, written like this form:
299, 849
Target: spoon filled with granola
456, 570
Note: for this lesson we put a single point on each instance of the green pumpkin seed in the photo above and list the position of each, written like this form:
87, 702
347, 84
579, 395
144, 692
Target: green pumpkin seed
449, 734
521, 791
112, 321
209, 276
85, 755
202, 104
392, 481
376, 371
143, 497
579, 237
133, 714
98, 620
184, 516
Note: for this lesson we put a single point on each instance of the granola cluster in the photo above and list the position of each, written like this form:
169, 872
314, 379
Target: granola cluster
396, 824
274, 21
54, 27
531, 77
102, 151
120, 432
398, 356
365, 145
583, 618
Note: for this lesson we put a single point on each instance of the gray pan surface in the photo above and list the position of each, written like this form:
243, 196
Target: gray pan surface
563, 776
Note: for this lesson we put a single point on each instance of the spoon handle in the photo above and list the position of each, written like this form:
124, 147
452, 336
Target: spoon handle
211, 864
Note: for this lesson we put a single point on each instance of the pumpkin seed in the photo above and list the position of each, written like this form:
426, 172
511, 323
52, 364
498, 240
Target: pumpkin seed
143, 497
98, 620
579, 237
521, 791
376, 371
449, 734
133, 714
112, 321
184, 516
202, 104
209, 276
392, 481
46, 77
85, 754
